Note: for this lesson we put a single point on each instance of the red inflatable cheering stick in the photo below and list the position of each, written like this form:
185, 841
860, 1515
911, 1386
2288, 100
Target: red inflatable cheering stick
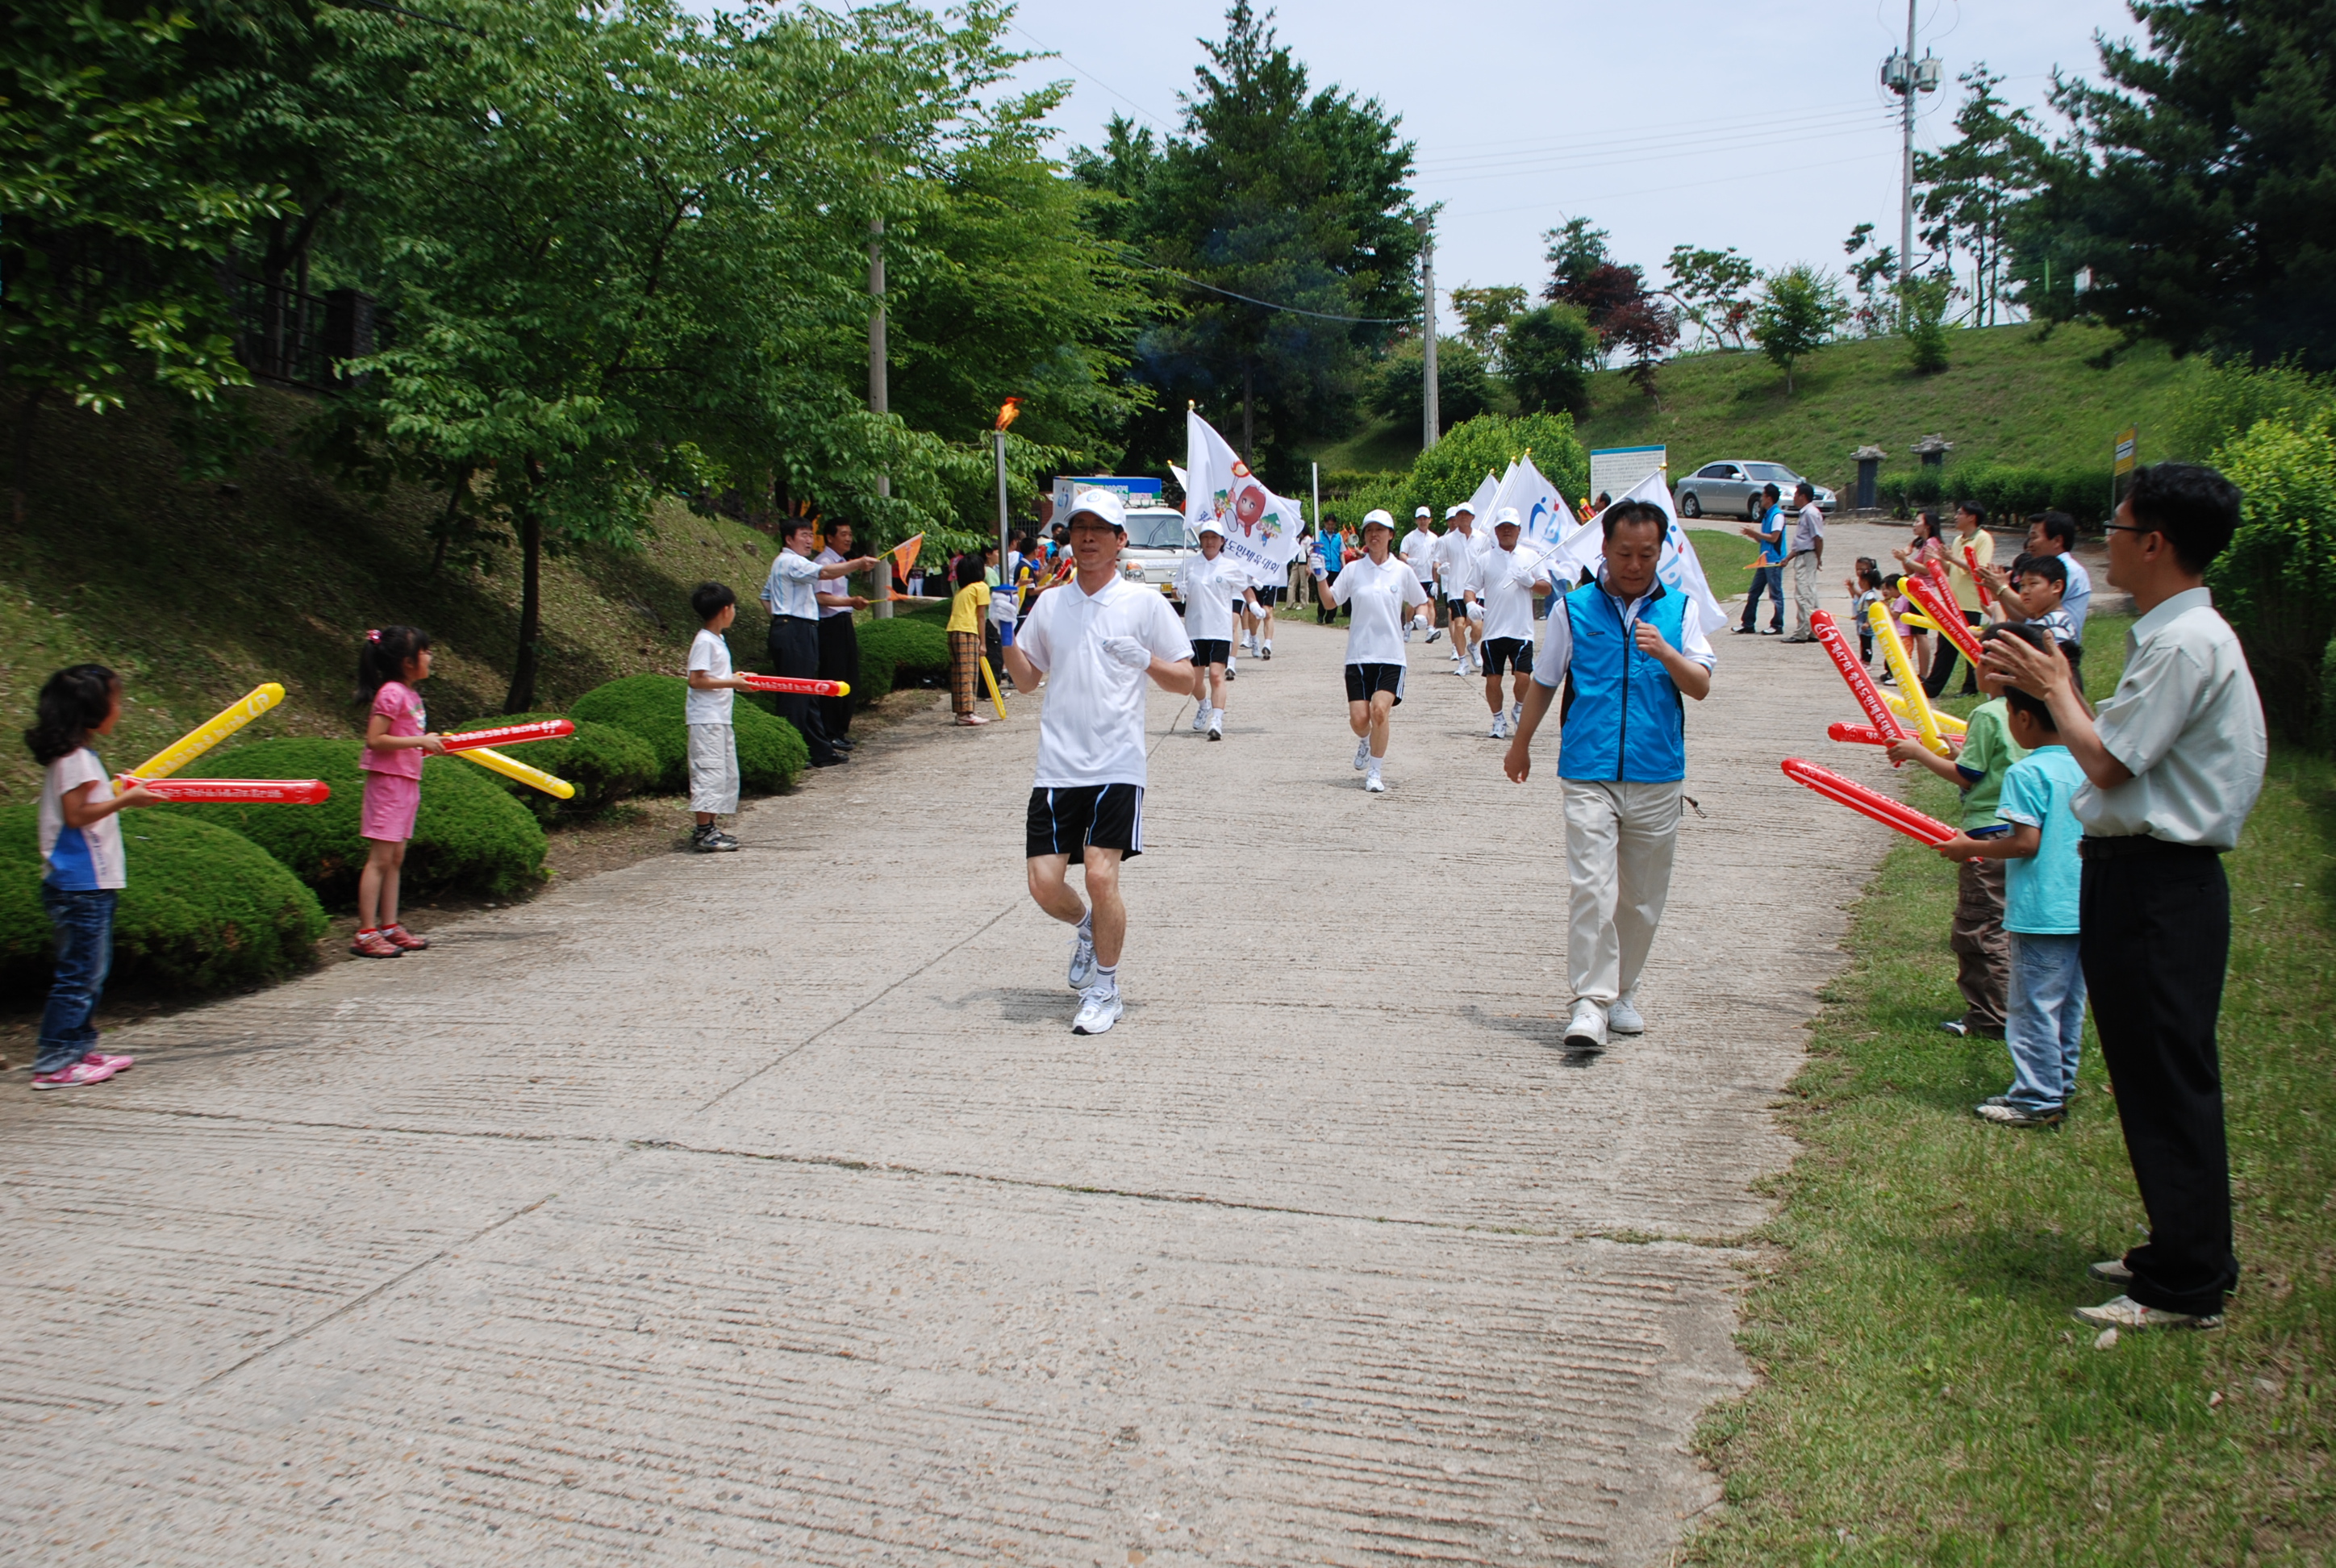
793, 687
1970, 559
277, 791
1861, 684
511, 734
1890, 814
1940, 605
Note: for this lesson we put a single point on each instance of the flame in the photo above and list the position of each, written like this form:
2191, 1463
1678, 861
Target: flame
1007, 411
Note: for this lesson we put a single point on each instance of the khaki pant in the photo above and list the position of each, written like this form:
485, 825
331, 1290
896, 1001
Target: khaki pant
1982, 952
1618, 839
1803, 571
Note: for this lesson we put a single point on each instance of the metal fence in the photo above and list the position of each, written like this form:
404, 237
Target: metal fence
295, 338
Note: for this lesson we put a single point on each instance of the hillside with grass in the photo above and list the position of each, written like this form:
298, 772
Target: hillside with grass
197, 592
2013, 395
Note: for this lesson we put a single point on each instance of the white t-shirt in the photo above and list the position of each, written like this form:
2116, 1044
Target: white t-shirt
1419, 549
1457, 553
80, 860
1091, 730
1508, 609
1379, 593
709, 653
1208, 589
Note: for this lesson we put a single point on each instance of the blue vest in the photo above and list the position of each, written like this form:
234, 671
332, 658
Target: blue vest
1624, 720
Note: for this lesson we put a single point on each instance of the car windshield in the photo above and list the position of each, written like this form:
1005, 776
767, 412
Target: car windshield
1771, 472
1150, 529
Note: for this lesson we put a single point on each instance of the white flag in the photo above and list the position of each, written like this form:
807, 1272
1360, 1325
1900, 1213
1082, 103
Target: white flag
1679, 569
1543, 517
1260, 527
1480, 505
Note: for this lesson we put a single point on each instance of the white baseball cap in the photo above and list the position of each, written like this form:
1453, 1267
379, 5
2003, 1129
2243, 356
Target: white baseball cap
1508, 519
1210, 526
1103, 505
1378, 517
1423, 512
1451, 512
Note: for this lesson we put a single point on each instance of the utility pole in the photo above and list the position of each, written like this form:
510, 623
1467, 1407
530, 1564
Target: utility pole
879, 393
1907, 76
1431, 419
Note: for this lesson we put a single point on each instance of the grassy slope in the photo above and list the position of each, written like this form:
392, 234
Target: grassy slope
197, 595
1925, 1397
2011, 396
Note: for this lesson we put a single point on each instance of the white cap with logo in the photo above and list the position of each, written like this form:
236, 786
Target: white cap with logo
1508, 519
1103, 505
1424, 512
1451, 512
1378, 517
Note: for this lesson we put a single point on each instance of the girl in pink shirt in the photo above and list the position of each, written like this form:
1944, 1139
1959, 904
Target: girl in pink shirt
393, 661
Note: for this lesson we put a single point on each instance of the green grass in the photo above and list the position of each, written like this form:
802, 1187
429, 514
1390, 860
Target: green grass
1925, 1397
1375, 446
1726, 557
2010, 396
197, 592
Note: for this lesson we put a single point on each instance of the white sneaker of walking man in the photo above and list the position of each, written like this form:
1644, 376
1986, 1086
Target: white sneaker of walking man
1626, 649
1098, 642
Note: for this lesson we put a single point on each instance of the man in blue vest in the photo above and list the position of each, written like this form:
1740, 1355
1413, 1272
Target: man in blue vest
1624, 648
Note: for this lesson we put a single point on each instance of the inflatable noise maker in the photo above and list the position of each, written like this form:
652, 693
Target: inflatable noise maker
1861, 684
478, 746
1873, 804
155, 771
207, 734
790, 687
1940, 606
1986, 600
1917, 707
1948, 723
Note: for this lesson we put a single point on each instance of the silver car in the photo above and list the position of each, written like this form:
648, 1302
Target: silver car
1732, 488
1158, 542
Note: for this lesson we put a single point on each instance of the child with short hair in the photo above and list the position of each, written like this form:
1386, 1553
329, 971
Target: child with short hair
391, 663
84, 868
713, 742
1982, 953
2040, 588
1865, 586
967, 612
2044, 1018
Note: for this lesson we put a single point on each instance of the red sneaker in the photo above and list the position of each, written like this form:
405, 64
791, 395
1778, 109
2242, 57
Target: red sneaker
374, 945
404, 939
72, 1077
118, 1064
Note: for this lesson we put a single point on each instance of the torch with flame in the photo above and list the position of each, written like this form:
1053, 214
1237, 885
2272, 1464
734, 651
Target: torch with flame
1006, 413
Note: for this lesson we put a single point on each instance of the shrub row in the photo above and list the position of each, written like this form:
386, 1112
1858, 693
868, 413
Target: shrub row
770, 753
899, 652
605, 764
2082, 492
205, 906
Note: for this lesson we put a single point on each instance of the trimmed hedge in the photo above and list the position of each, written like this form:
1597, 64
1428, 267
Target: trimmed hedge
470, 836
770, 753
205, 908
2082, 492
604, 763
900, 650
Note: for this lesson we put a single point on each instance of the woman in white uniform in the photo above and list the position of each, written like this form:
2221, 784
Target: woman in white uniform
1377, 591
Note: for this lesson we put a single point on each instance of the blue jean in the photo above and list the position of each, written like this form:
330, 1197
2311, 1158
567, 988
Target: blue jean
2044, 1020
1771, 581
84, 927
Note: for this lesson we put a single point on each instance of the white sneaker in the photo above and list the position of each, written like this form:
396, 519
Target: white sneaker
1199, 719
1586, 1030
1374, 783
1435, 634
2126, 1313
1083, 962
1516, 715
1623, 1017
1216, 724
1228, 668
1500, 730
1099, 1009
1266, 652
1362, 753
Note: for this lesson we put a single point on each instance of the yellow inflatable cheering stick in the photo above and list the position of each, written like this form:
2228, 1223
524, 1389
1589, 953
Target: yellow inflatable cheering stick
1948, 723
989, 679
494, 761
208, 734
1901, 670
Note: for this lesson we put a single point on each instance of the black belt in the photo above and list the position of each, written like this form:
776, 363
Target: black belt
2139, 847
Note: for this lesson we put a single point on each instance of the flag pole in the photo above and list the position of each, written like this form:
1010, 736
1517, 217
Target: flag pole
1304, 577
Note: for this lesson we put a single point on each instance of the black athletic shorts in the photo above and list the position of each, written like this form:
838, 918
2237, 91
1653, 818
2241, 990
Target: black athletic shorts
1241, 606
1270, 596
1459, 607
1507, 652
1064, 821
1364, 679
1208, 650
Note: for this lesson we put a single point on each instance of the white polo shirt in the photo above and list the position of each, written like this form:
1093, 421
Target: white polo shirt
838, 586
1507, 590
1208, 589
1457, 553
1378, 594
1091, 730
1419, 549
2185, 721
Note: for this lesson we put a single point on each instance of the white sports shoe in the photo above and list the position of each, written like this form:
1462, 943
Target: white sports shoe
1083, 963
1362, 753
1199, 719
1099, 1009
1374, 783
1216, 724
1586, 1030
1407, 629
1516, 714
1434, 633
1500, 730
1623, 1017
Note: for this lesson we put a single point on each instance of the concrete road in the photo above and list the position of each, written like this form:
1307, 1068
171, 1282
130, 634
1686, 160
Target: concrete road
763, 1208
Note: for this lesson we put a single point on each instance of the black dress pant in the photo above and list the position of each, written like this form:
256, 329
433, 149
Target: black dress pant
838, 659
1943, 666
2156, 922
794, 653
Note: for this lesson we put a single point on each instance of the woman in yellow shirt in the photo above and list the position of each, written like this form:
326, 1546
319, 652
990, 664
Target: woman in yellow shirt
967, 611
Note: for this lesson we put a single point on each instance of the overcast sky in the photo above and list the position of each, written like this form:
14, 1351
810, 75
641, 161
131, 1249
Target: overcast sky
1667, 121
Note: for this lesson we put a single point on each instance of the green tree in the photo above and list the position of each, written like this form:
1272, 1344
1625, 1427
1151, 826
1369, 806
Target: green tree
2277, 580
1448, 473
1549, 353
1713, 291
1485, 314
1799, 311
1399, 382
1969, 188
1924, 303
1612, 297
1873, 275
2199, 185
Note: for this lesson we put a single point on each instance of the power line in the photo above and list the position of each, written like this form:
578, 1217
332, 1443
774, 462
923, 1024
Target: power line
1293, 309
1160, 122
1656, 190
1556, 166
1697, 136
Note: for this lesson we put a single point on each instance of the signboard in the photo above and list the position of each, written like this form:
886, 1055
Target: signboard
1616, 468
1130, 491
2127, 451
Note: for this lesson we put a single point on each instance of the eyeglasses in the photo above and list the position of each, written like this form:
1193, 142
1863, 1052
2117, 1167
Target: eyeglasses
2124, 528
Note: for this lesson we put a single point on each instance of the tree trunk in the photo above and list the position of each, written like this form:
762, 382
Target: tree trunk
522, 697
21, 459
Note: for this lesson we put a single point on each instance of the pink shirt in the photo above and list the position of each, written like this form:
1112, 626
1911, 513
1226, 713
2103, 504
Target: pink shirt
402, 706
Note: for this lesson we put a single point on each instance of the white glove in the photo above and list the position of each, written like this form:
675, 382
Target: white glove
1475, 611
1127, 651
1521, 583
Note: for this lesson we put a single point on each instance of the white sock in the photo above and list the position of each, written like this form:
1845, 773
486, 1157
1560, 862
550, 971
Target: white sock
1107, 977
1086, 927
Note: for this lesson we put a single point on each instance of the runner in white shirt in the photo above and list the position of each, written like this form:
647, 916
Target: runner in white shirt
1265, 590
1209, 584
1377, 589
1093, 641
1457, 567
1511, 579
1419, 552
